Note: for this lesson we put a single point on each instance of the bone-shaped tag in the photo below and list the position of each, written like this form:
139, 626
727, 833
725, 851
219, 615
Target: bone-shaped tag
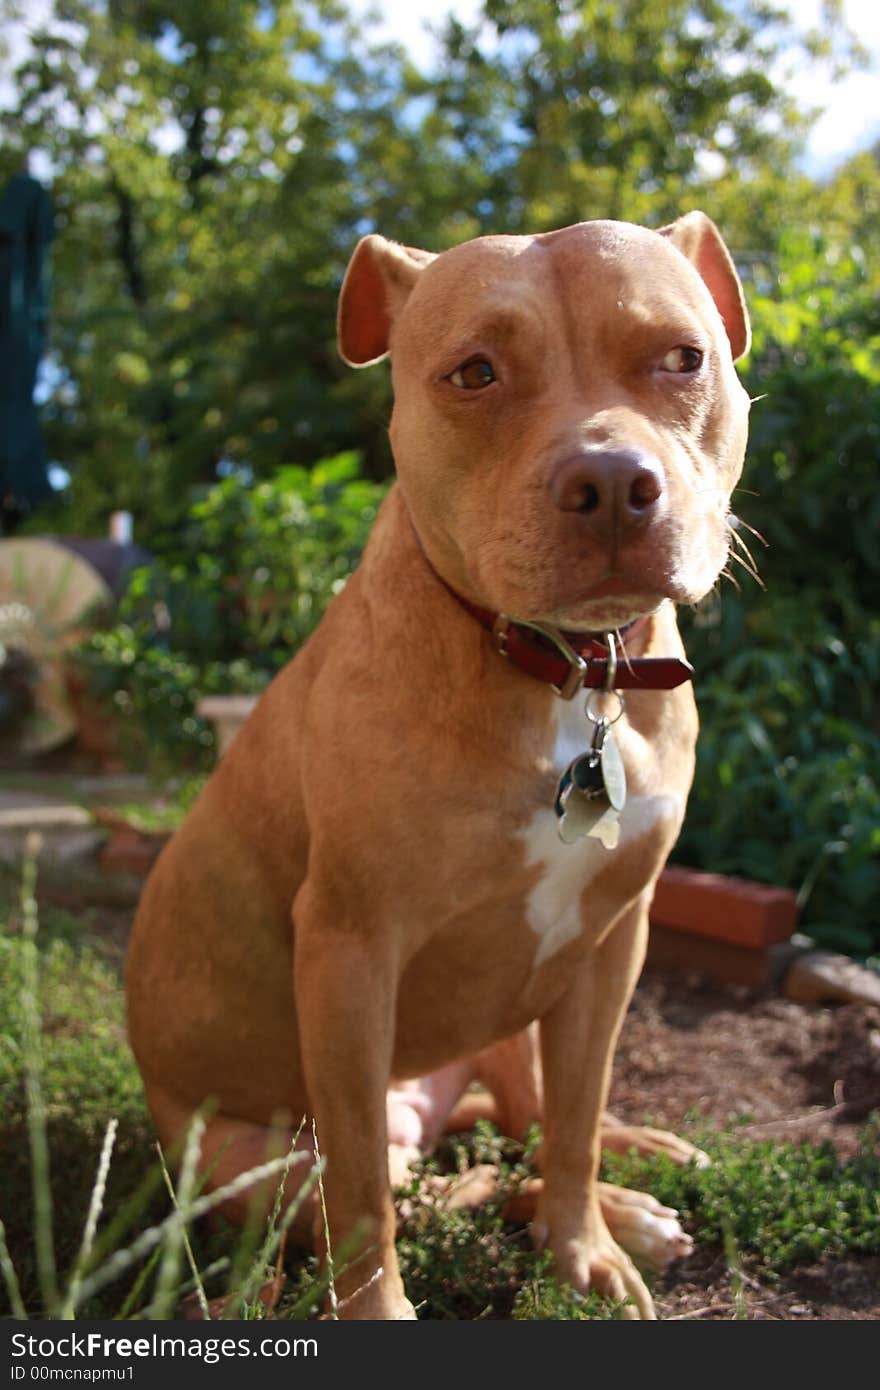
607, 829
578, 814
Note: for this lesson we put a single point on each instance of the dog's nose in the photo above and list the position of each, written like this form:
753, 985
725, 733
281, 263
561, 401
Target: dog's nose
613, 486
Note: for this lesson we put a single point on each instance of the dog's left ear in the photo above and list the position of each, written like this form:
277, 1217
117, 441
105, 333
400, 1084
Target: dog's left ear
377, 284
696, 237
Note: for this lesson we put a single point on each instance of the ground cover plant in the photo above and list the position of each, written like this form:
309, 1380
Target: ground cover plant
76, 1142
761, 1213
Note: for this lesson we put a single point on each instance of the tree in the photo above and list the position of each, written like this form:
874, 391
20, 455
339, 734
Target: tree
205, 207
634, 109
214, 162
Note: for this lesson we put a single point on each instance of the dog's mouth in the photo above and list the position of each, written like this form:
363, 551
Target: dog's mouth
606, 613
614, 601
564, 582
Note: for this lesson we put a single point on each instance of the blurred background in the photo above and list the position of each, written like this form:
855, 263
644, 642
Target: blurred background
180, 189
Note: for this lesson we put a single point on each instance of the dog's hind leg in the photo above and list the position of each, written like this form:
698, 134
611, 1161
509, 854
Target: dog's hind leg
231, 1148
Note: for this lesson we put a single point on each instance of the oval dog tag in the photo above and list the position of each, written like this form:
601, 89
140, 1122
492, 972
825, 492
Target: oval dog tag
592, 792
613, 772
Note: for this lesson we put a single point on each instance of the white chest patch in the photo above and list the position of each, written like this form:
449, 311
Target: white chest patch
553, 909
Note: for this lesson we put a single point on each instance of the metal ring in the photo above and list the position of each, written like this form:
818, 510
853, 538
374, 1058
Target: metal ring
589, 708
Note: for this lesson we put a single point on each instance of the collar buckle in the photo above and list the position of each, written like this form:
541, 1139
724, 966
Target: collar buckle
577, 666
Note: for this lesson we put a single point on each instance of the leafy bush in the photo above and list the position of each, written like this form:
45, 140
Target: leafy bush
150, 693
256, 564
788, 764
227, 602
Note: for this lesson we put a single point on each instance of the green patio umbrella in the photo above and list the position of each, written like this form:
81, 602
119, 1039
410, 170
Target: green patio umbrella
25, 234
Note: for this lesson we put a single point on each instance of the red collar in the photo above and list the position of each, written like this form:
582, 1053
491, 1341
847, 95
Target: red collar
571, 660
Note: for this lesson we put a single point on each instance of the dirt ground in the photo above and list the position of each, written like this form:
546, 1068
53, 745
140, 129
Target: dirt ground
800, 1071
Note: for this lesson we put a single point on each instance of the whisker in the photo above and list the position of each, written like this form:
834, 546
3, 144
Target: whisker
733, 531
744, 548
726, 574
738, 559
751, 530
753, 400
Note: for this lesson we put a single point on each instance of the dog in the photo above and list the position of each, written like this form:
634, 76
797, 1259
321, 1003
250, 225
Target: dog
418, 859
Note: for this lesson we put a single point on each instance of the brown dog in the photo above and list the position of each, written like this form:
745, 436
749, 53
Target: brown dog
373, 884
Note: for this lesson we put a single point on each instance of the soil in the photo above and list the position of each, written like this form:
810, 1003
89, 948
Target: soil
800, 1071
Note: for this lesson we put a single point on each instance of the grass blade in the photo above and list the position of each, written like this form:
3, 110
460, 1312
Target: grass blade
196, 1278
331, 1278
44, 1241
121, 1260
10, 1278
134, 1293
96, 1202
167, 1278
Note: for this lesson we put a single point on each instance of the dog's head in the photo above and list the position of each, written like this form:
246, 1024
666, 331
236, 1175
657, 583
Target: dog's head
568, 424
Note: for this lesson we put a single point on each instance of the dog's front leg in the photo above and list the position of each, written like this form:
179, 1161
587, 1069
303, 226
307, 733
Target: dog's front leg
346, 994
578, 1037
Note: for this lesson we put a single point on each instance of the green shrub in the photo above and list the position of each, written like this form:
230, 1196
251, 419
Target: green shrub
149, 693
248, 578
788, 764
227, 602
783, 1204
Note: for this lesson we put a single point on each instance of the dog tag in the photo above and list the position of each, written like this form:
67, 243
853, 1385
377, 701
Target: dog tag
578, 813
613, 771
592, 792
607, 829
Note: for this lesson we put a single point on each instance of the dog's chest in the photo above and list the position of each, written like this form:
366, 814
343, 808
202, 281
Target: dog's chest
555, 907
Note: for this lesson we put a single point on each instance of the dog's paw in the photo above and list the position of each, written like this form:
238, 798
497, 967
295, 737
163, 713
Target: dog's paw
467, 1190
621, 1139
594, 1261
378, 1300
649, 1232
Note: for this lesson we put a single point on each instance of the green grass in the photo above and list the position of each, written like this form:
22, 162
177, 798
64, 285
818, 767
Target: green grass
66, 1072
76, 1145
87, 1077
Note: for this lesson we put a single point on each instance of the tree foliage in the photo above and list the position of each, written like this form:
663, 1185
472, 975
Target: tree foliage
214, 161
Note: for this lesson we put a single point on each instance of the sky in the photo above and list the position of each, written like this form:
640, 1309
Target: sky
851, 119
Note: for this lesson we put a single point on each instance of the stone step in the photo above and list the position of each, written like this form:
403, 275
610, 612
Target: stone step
65, 833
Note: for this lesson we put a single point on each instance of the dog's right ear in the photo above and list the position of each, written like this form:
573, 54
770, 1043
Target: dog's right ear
696, 237
377, 284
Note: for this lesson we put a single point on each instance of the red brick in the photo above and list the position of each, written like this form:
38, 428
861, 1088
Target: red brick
723, 909
128, 852
737, 965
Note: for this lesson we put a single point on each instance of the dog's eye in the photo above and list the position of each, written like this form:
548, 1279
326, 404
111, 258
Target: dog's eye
473, 375
682, 360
